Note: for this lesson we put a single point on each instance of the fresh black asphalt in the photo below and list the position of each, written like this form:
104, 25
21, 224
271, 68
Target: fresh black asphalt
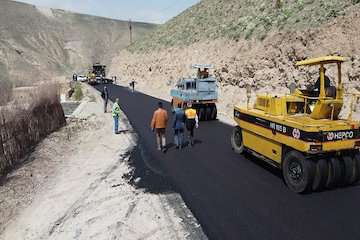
235, 196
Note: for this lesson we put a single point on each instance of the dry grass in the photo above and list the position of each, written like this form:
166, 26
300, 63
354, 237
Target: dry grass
32, 96
32, 115
6, 92
27, 98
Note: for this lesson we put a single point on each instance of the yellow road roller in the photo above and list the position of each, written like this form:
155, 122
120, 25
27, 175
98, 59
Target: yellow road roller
301, 132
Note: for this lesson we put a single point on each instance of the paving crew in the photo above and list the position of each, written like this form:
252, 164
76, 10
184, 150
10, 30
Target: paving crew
191, 122
116, 115
158, 124
105, 96
178, 126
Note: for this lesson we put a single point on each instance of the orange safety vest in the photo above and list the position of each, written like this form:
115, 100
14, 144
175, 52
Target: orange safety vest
190, 113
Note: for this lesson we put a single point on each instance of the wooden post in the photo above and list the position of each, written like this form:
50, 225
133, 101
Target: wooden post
130, 31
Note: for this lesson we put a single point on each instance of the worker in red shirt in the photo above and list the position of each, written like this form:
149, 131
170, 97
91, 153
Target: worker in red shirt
159, 124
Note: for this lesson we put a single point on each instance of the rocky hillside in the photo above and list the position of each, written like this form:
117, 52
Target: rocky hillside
37, 44
263, 59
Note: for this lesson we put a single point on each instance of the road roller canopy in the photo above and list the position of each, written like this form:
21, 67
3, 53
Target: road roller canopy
321, 61
202, 66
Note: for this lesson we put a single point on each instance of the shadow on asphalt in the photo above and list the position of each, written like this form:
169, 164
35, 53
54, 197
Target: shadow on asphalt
143, 176
233, 196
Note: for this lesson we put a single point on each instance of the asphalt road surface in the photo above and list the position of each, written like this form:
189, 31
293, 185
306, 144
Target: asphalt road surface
235, 196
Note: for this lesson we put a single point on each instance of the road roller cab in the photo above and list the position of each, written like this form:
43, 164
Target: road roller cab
301, 133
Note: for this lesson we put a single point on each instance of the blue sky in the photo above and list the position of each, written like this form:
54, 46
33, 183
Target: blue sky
156, 11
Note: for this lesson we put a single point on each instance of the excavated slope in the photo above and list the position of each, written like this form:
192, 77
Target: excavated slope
265, 63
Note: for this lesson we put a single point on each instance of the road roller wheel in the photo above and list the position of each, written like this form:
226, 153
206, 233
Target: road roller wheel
237, 140
298, 172
214, 113
349, 170
334, 176
321, 174
357, 167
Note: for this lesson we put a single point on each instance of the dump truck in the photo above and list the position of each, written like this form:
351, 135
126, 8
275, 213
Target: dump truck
301, 133
201, 91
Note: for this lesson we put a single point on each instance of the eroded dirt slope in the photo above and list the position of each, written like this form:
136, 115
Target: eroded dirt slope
267, 65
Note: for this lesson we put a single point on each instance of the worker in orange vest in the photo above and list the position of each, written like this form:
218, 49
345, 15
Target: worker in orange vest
191, 122
158, 124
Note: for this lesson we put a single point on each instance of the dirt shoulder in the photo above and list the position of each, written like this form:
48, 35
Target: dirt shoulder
73, 188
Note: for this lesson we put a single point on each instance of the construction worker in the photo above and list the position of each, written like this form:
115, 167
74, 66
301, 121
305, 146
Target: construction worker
105, 96
191, 122
132, 85
116, 114
158, 124
178, 126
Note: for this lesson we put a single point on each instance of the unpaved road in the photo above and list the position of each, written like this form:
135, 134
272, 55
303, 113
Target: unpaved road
85, 195
237, 197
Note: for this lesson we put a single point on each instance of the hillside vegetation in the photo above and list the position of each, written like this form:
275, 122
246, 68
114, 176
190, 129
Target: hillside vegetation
237, 19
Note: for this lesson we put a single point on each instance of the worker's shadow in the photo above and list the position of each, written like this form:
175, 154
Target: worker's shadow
186, 144
124, 131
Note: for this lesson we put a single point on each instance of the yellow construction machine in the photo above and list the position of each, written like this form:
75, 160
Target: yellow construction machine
301, 133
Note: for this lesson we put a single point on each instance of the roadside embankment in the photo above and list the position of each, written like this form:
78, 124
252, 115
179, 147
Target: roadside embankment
23, 126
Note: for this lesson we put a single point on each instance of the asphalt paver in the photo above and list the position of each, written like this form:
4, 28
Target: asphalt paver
237, 196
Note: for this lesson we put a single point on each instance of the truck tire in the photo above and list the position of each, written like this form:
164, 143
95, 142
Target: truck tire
237, 143
298, 172
208, 111
334, 173
214, 113
321, 174
201, 114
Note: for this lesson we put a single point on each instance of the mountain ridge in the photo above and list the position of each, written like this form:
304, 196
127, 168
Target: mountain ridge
38, 44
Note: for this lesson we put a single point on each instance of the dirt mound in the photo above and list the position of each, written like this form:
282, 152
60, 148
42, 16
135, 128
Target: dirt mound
38, 43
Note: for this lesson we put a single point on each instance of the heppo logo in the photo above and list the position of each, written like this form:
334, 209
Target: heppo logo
340, 135
296, 133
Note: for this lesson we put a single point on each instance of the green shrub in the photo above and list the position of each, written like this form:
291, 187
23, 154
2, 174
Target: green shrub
78, 94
